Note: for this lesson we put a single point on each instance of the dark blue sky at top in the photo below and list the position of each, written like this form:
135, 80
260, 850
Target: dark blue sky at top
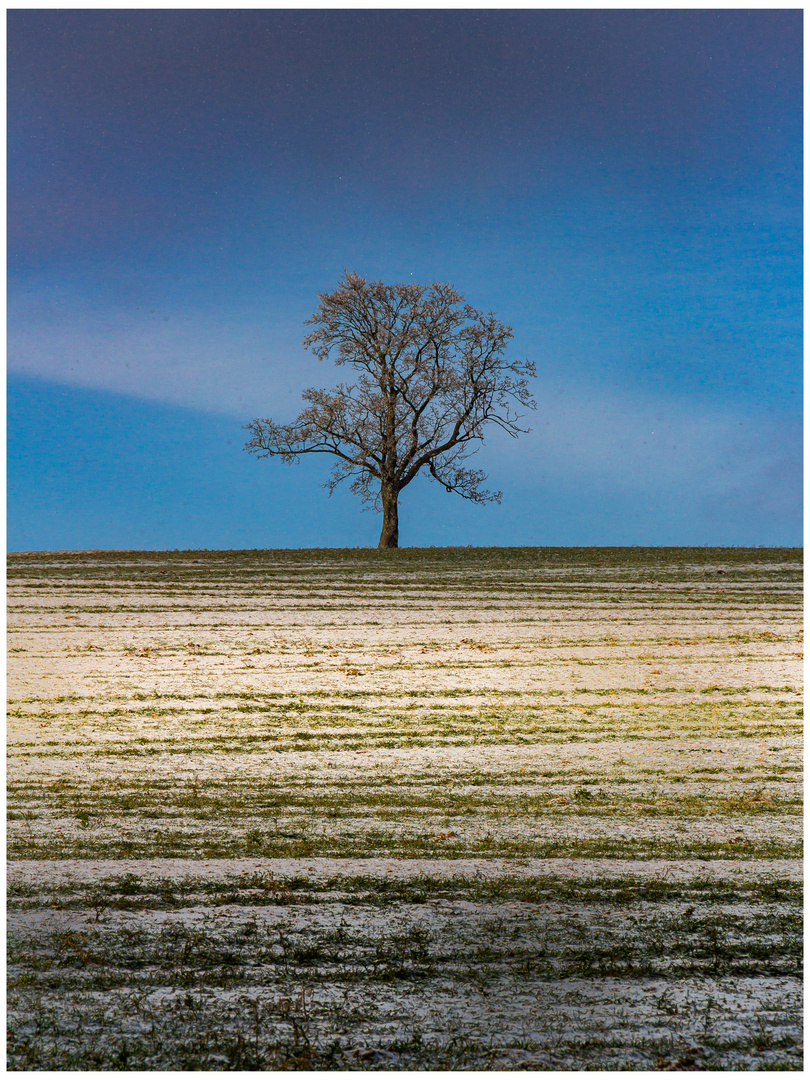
622, 187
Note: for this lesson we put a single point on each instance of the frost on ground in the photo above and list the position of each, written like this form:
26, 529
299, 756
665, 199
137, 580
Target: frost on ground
450, 808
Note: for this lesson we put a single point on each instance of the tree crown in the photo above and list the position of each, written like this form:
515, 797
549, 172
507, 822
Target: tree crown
431, 374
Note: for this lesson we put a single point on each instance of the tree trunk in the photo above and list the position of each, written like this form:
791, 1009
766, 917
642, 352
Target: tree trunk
389, 537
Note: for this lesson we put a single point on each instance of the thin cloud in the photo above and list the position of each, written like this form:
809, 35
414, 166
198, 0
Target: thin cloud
718, 461
239, 367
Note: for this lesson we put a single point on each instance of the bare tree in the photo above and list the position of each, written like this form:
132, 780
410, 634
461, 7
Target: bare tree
431, 375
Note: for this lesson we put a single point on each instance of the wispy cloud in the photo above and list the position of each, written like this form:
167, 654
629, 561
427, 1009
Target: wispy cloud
239, 366
711, 461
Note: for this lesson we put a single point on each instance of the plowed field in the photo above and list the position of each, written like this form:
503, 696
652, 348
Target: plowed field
522, 808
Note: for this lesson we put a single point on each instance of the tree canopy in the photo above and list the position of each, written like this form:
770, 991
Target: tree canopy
430, 375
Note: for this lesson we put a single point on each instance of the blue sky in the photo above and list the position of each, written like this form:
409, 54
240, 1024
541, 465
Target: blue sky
623, 188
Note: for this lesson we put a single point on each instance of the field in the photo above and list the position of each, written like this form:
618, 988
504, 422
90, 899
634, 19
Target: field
523, 808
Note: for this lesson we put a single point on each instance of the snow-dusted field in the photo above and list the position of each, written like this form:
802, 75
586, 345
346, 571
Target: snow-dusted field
465, 808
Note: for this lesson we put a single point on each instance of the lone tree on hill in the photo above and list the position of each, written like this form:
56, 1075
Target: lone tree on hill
431, 375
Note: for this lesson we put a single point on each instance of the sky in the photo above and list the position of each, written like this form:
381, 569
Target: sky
621, 187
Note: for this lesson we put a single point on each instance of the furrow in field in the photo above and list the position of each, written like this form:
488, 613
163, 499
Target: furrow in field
275, 810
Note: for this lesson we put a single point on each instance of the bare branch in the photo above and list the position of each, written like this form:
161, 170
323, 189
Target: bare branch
431, 374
